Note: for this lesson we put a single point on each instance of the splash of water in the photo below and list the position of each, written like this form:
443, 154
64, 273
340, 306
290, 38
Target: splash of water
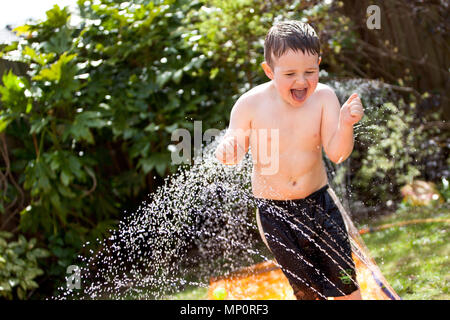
177, 235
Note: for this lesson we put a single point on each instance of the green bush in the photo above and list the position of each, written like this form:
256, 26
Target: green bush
19, 265
395, 156
390, 160
393, 146
91, 122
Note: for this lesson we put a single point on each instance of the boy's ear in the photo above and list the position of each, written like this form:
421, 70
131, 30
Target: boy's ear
267, 70
320, 59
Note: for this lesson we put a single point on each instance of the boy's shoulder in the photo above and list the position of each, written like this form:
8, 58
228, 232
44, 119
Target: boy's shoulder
250, 99
322, 87
327, 97
257, 92
324, 90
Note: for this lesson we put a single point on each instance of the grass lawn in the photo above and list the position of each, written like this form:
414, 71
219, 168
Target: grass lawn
413, 258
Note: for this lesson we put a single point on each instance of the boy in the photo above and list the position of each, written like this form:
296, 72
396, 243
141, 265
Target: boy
298, 214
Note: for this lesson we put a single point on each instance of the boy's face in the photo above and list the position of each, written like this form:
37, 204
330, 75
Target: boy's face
295, 75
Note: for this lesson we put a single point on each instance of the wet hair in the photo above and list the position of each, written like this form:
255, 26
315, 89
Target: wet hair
290, 34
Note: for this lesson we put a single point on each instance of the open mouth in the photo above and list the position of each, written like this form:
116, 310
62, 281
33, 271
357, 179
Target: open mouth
299, 94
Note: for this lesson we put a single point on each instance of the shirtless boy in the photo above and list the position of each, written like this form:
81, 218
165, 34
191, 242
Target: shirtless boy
293, 117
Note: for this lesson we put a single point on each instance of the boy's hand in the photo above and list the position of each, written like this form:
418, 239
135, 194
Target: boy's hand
229, 151
352, 111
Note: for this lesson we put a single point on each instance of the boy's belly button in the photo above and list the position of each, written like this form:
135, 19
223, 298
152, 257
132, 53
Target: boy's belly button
292, 181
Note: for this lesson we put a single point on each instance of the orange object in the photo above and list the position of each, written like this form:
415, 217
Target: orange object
421, 193
266, 281
263, 281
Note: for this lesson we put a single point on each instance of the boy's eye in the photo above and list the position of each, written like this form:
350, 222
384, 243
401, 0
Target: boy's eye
307, 72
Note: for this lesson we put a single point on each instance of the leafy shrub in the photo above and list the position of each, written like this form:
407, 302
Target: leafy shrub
395, 157
392, 155
392, 145
19, 265
90, 124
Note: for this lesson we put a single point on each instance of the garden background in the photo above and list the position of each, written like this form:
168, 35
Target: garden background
87, 112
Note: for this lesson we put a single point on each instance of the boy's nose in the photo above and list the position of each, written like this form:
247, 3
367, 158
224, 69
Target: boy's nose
300, 80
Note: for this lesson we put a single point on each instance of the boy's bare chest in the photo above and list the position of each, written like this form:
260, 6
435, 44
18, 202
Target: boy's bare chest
296, 129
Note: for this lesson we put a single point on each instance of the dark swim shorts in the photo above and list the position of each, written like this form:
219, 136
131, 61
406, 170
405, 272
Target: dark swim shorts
309, 240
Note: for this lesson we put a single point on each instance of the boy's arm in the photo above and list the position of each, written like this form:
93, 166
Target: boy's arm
337, 124
235, 143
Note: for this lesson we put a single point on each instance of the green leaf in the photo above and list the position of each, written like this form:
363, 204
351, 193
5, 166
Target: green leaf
151, 127
161, 168
12, 94
177, 76
5, 234
44, 183
55, 71
147, 164
161, 160
171, 128
55, 200
162, 78
80, 132
213, 73
66, 177
66, 192
38, 124
57, 17
4, 122
59, 41
75, 166
24, 29
41, 59
41, 253
91, 119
